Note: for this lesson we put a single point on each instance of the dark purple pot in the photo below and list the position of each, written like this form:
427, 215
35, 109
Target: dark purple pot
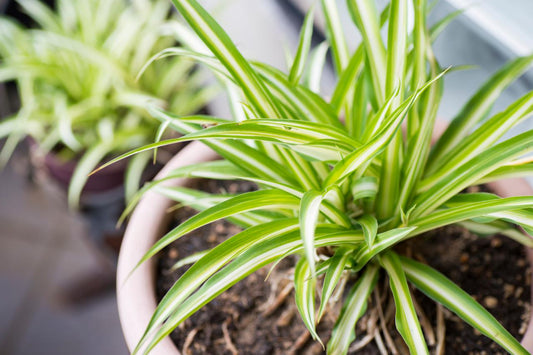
104, 180
61, 172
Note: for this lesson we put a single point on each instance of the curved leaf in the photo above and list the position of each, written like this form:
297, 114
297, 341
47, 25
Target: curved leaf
304, 287
476, 108
354, 307
304, 45
406, 319
249, 201
335, 267
439, 288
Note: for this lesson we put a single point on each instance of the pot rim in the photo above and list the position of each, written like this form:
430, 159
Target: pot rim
147, 224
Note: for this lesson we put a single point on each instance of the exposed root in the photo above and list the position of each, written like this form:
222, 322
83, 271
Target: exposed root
272, 304
227, 338
391, 310
383, 325
441, 330
371, 326
286, 317
188, 341
358, 345
379, 342
299, 343
339, 290
401, 346
425, 323
372, 322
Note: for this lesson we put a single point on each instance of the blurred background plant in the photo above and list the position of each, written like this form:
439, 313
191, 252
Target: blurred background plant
76, 74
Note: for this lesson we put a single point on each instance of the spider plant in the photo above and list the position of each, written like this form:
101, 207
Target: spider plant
340, 182
76, 77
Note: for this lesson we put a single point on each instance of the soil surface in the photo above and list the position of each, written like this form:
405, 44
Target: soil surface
258, 317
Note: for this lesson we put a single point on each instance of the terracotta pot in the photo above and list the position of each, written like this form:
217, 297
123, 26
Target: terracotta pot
136, 294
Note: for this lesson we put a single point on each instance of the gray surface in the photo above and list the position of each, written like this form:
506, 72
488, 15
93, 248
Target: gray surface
42, 249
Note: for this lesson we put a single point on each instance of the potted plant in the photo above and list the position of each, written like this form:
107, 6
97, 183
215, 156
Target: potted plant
340, 182
76, 75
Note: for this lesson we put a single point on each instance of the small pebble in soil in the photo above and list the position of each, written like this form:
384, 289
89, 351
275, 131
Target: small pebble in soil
173, 253
490, 302
508, 290
496, 242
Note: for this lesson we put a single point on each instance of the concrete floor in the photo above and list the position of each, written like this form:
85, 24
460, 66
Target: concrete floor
44, 250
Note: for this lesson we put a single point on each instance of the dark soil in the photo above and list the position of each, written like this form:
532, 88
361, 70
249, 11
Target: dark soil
258, 317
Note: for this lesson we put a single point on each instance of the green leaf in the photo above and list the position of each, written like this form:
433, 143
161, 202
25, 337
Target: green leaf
365, 16
216, 39
159, 134
439, 288
498, 227
472, 171
364, 187
524, 218
423, 116
65, 124
469, 210
41, 14
406, 319
476, 108
368, 151
419, 45
216, 170
309, 211
262, 130
354, 308
396, 47
515, 169
335, 34
481, 139
346, 79
376, 121
86, 164
383, 241
202, 201
304, 287
240, 153
306, 104
8, 125
440, 25
266, 199
134, 173
336, 265
188, 260
304, 45
310, 207
369, 224
316, 67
